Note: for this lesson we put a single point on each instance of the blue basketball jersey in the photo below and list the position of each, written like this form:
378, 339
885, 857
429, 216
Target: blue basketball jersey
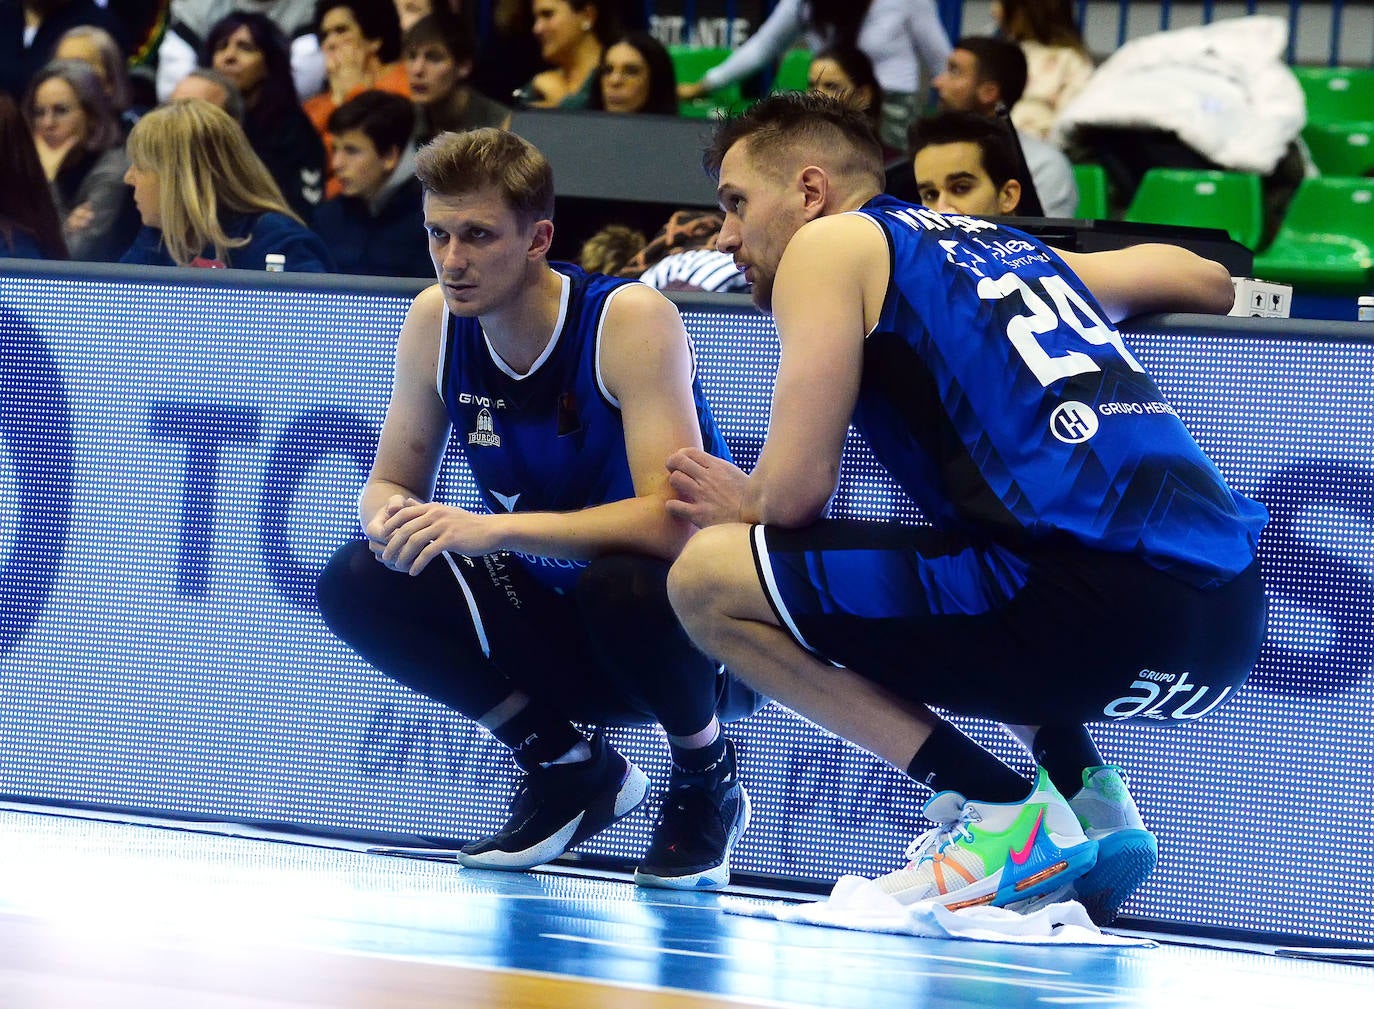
999, 397
550, 440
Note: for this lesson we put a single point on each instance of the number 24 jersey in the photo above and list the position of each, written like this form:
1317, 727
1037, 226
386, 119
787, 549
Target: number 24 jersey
999, 397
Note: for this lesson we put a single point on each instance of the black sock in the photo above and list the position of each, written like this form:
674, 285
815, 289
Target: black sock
699, 758
1064, 751
949, 760
537, 735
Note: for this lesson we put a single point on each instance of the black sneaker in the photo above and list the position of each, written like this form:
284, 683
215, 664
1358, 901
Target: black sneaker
703, 815
558, 807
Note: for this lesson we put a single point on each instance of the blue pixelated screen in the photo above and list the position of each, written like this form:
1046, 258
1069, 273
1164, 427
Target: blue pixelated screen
178, 458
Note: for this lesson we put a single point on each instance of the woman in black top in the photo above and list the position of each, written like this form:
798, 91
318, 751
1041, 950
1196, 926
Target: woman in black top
253, 52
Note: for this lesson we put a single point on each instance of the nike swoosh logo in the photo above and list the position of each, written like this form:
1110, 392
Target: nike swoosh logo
1019, 855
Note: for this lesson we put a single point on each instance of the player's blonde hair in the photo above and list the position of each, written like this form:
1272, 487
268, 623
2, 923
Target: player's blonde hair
453, 164
205, 169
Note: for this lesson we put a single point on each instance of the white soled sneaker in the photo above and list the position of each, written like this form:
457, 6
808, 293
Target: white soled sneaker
994, 853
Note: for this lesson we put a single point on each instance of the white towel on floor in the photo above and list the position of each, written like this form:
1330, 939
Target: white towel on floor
857, 903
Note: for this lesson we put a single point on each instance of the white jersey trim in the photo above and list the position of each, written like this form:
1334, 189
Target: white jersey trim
596, 357
563, 300
770, 588
443, 355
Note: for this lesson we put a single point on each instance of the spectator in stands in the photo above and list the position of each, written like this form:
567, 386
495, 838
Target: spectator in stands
509, 54
572, 36
408, 12
207, 200
1058, 64
965, 164
213, 87
438, 51
376, 224
361, 41
636, 76
610, 249
984, 74
80, 144
251, 51
187, 37
903, 38
98, 49
29, 30
846, 72
29, 225
683, 256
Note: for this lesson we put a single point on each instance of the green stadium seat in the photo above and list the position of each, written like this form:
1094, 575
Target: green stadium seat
1231, 201
793, 71
1091, 181
690, 65
1325, 243
1341, 148
1337, 94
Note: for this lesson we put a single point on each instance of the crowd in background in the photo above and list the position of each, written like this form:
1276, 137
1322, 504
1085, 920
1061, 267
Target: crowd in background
289, 126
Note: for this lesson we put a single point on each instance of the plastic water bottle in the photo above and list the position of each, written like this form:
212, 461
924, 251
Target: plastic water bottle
275, 262
1366, 310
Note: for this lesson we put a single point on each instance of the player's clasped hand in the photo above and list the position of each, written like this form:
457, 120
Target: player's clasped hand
406, 534
709, 490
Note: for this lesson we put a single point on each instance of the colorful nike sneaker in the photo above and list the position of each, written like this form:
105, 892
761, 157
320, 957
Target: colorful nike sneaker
995, 853
1126, 851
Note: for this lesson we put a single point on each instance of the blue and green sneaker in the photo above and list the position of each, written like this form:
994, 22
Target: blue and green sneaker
996, 853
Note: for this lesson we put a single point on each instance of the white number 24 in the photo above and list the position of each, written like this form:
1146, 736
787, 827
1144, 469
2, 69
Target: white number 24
1070, 308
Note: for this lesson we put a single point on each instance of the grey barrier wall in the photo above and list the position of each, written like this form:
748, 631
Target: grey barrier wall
181, 450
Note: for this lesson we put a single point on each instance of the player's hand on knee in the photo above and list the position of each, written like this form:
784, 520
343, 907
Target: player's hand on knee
420, 531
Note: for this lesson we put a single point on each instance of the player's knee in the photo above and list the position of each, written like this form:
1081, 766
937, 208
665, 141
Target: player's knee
698, 578
338, 585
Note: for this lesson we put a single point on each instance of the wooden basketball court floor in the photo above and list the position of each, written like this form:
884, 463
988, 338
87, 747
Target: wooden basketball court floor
116, 914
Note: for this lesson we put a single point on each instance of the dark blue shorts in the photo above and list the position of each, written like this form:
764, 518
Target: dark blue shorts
1049, 636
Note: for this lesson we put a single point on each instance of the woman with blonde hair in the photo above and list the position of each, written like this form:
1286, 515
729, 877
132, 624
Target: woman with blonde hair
207, 200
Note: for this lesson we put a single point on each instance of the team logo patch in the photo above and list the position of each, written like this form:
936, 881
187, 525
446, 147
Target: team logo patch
485, 435
1073, 422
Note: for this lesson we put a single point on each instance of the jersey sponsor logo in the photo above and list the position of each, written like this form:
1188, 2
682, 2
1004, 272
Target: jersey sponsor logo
507, 501
485, 436
540, 561
1166, 697
1135, 409
1073, 422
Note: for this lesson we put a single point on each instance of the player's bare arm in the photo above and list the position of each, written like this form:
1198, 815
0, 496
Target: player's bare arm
646, 367
826, 297
416, 427
1153, 278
